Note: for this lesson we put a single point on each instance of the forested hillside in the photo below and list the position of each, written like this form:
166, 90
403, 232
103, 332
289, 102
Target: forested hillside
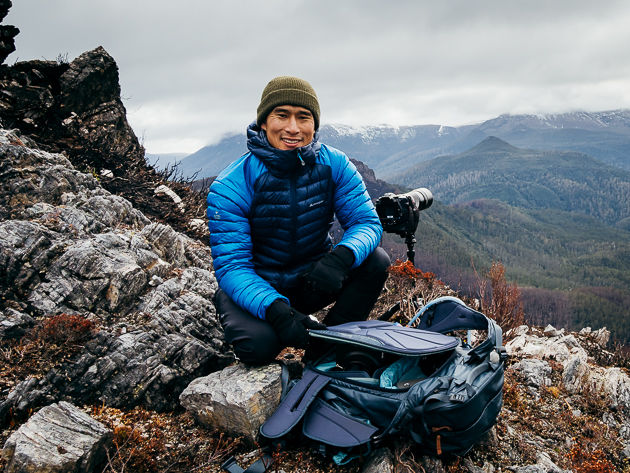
558, 221
572, 271
528, 179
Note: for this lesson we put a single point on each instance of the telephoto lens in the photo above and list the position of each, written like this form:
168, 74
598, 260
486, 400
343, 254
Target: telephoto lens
422, 198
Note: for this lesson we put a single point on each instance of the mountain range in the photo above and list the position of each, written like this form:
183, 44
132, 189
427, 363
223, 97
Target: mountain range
390, 150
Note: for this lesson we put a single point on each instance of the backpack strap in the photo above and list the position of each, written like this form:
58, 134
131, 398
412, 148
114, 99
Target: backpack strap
325, 424
293, 407
459, 316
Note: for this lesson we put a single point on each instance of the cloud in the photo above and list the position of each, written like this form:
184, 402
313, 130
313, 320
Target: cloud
193, 71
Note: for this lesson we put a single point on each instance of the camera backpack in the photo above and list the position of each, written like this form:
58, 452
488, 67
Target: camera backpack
379, 379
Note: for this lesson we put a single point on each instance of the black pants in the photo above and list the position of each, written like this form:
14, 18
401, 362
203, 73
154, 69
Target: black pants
254, 340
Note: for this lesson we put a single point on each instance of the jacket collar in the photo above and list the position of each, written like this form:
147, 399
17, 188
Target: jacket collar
281, 161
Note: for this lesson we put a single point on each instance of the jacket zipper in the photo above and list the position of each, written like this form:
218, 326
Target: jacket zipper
293, 197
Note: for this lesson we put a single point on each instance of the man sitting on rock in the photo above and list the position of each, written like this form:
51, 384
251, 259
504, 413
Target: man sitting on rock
269, 215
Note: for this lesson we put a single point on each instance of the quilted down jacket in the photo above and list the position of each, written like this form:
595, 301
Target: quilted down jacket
269, 214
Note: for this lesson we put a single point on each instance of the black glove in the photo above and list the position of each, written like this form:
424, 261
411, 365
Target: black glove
330, 272
290, 325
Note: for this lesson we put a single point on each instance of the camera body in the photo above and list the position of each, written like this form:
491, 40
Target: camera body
400, 213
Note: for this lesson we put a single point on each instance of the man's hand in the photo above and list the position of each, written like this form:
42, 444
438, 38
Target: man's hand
290, 325
330, 272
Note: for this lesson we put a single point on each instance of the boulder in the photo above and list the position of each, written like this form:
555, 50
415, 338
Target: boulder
551, 331
59, 438
534, 372
472, 468
601, 336
237, 399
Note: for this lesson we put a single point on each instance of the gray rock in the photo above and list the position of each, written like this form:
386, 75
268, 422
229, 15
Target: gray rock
544, 464
94, 274
575, 373
602, 336
379, 461
472, 468
26, 251
29, 176
579, 376
535, 372
570, 341
559, 348
550, 331
58, 438
517, 331
236, 400
13, 324
432, 464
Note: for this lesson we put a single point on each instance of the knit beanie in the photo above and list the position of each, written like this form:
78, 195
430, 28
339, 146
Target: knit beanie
286, 90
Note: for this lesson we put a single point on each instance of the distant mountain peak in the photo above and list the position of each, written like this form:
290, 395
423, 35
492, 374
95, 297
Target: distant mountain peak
493, 144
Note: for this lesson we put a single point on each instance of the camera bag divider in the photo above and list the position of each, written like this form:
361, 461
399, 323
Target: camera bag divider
378, 379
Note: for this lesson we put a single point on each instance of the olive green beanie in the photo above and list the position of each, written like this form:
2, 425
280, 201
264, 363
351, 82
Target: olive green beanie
286, 90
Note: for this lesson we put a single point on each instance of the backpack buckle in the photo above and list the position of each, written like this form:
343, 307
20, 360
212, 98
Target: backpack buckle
458, 397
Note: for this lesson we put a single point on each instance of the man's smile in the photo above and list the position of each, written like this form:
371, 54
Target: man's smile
291, 141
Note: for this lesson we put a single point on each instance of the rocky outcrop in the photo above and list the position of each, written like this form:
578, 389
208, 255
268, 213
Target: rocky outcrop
68, 246
75, 108
60, 438
7, 32
579, 375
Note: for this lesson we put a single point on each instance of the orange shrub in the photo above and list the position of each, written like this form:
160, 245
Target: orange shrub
66, 328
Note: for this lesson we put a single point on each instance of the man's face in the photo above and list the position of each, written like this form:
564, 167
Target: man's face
289, 127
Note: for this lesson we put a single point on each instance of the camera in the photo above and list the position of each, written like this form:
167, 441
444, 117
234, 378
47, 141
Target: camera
400, 213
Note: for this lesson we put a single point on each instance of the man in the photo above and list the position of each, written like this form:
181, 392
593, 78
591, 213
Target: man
269, 215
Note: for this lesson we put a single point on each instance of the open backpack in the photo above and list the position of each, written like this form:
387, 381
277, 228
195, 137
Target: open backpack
380, 379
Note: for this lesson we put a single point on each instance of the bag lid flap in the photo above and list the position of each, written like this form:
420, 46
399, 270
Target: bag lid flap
325, 424
388, 337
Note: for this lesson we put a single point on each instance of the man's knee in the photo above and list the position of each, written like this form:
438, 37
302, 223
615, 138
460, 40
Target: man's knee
253, 340
254, 351
378, 261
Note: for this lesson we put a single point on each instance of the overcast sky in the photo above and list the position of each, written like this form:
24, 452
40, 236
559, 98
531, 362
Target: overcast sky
193, 70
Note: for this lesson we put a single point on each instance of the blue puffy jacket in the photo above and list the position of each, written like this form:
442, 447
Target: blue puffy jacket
269, 214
